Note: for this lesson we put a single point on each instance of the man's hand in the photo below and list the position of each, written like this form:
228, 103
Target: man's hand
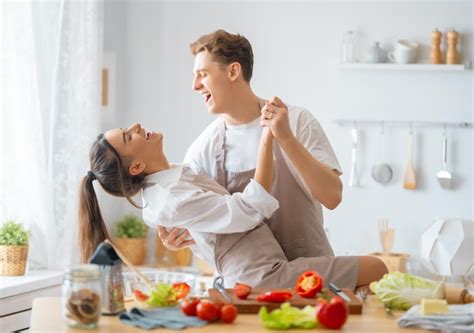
176, 238
275, 116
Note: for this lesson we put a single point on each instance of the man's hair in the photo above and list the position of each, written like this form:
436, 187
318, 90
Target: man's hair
227, 48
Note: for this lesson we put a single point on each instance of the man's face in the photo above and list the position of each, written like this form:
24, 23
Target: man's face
212, 82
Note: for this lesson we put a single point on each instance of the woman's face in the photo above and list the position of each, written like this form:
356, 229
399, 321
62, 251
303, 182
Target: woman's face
141, 147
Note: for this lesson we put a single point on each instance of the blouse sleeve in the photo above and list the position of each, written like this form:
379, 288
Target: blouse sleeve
205, 211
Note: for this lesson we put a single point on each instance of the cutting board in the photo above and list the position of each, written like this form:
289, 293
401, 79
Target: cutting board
251, 305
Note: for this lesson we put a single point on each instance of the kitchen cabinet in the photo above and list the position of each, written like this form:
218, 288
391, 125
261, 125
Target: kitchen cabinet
17, 294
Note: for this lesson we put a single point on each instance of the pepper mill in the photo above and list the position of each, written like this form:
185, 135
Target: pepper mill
452, 53
435, 55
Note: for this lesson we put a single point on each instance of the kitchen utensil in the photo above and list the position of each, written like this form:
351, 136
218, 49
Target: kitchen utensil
444, 177
409, 182
335, 289
145, 279
353, 178
111, 278
386, 235
382, 172
404, 52
251, 305
218, 284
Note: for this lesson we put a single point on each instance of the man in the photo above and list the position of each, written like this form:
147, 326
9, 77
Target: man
306, 168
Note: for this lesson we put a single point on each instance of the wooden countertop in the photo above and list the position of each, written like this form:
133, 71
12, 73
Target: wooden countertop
47, 317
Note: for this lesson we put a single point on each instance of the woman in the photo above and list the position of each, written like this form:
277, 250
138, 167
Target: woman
126, 162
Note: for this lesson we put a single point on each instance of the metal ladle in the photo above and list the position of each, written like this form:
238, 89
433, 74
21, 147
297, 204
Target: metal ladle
444, 177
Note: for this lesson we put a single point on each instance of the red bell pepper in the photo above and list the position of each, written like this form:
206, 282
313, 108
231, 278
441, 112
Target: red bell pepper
332, 314
181, 289
275, 296
309, 284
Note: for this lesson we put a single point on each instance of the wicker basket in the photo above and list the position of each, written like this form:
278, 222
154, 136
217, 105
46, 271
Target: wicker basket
133, 248
13, 259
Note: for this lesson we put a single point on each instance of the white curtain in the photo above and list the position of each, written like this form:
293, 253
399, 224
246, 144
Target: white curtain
50, 111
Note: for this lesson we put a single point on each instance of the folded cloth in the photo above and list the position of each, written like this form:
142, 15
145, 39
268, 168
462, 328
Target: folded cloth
172, 318
459, 318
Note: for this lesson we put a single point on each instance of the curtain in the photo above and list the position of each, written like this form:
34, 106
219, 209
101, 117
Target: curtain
50, 114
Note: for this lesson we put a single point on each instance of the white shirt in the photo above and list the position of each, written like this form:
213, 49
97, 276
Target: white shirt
242, 143
181, 197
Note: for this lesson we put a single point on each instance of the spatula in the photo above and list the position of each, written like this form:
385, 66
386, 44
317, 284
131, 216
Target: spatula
148, 282
444, 177
410, 178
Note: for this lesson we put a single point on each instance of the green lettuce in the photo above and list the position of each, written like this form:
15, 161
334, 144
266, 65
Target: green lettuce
400, 290
162, 295
287, 317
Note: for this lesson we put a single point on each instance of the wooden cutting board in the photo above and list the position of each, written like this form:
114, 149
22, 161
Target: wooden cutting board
251, 305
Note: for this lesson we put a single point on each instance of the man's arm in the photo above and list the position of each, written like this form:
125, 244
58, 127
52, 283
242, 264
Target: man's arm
323, 183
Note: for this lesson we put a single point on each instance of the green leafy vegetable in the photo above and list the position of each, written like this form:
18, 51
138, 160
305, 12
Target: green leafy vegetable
163, 295
400, 290
287, 317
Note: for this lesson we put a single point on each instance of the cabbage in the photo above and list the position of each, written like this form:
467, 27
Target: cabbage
162, 295
287, 317
400, 290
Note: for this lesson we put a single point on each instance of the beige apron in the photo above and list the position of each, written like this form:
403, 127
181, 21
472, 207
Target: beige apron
276, 252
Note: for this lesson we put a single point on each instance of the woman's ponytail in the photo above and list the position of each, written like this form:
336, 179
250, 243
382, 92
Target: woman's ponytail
92, 229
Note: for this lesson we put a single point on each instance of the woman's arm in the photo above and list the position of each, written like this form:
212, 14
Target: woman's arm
264, 170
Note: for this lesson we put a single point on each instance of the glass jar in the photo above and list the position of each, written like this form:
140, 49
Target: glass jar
81, 296
348, 48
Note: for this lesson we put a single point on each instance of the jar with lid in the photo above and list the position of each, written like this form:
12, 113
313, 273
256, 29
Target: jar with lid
81, 296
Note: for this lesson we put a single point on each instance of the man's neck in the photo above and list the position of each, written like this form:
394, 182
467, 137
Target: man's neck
244, 108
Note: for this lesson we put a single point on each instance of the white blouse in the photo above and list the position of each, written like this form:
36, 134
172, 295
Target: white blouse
185, 198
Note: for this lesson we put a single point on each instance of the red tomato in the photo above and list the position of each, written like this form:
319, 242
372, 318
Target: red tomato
207, 311
140, 296
228, 313
241, 290
332, 314
188, 306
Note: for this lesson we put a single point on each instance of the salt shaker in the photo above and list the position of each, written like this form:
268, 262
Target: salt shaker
452, 53
435, 55
111, 278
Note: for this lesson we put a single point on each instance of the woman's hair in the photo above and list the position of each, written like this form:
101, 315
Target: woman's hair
111, 171
227, 48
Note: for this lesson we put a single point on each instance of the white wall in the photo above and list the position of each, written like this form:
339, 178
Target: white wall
296, 47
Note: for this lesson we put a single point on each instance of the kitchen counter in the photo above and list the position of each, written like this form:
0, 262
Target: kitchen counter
46, 317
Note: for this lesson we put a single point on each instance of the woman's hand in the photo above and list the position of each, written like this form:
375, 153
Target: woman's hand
176, 238
275, 116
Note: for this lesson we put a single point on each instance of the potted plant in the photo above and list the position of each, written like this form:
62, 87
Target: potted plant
130, 237
13, 248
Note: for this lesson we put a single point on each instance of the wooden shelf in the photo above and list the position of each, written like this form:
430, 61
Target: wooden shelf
407, 67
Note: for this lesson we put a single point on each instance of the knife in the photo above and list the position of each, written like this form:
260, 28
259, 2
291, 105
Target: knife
219, 285
335, 289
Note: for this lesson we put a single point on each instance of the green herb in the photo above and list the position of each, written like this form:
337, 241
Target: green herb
12, 233
130, 226
399, 291
288, 317
163, 295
